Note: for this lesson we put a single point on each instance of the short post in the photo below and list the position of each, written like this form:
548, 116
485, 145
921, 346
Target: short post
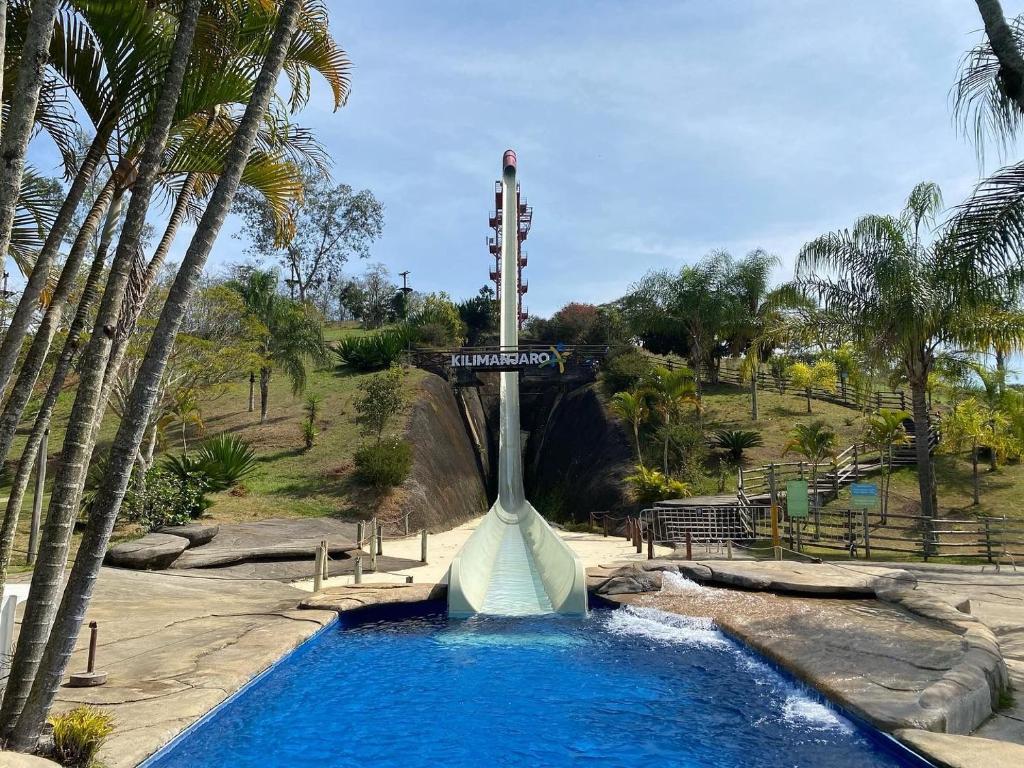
423, 546
90, 677
373, 547
689, 545
326, 560
988, 540
867, 534
638, 536
728, 549
406, 523
37, 501
380, 538
318, 568
774, 511
801, 470
360, 530
650, 543
604, 525
626, 532
357, 575
778, 552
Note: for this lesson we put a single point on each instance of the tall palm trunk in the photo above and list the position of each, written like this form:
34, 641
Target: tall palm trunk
147, 383
1004, 46
753, 395
974, 470
24, 313
85, 413
264, 392
17, 130
42, 422
14, 408
132, 308
3, 42
922, 425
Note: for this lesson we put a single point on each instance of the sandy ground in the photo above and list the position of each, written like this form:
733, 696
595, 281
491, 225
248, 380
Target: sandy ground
593, 549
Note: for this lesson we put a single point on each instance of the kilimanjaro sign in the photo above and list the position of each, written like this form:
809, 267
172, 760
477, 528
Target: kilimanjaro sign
498, 360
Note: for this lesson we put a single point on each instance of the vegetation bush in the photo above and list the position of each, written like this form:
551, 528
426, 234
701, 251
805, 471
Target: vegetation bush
650, 485
78, 735
438, 322
736, 441
373, 351
226, 459
379, 400
625, 371
384, 464
165, 499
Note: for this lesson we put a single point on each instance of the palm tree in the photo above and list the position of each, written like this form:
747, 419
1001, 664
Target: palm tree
632, 407
672, 390
896, 292
970, 425
291, 332
85, 413
883, 431
130, 431
20, 120
822, 375
815, 442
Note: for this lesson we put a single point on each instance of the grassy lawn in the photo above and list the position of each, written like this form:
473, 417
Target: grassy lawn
728, 407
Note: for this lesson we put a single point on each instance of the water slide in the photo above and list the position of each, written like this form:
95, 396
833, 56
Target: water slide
514, 564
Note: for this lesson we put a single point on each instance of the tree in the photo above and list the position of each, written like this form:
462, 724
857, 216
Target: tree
289, 333
126, 442
479, 315
331, 224
969, 425
376, 291
883, 431
687, 310
672, 390
632, 407
23, 729
815, 442
379, 400
900, 288
822, 375
437, 321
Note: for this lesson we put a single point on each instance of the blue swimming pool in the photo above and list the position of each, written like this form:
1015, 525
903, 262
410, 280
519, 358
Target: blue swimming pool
623, 688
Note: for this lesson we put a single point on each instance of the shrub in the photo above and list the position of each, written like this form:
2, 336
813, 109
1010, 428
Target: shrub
650, 485
374, 351
309, 434
166, 498
437, 322
384, 464
221, 462
736, 441
625, 371
379, 400
79, 734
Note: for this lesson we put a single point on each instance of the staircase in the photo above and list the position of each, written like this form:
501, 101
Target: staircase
850, 466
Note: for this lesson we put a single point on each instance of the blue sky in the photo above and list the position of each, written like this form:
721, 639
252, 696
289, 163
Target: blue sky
648, 132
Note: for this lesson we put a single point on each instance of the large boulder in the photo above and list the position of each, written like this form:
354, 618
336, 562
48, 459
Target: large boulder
153, 552
196, 533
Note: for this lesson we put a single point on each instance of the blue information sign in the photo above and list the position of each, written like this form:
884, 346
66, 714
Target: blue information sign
864, 494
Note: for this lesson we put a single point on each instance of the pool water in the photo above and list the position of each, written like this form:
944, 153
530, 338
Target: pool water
623, 688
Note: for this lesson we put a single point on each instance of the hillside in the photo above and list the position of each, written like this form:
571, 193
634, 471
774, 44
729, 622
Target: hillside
289, 481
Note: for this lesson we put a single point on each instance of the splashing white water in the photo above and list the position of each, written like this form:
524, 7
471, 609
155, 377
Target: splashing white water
676, 583
652, 624
802, 711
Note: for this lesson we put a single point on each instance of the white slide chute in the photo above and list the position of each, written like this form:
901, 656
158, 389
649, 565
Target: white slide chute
514, 564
